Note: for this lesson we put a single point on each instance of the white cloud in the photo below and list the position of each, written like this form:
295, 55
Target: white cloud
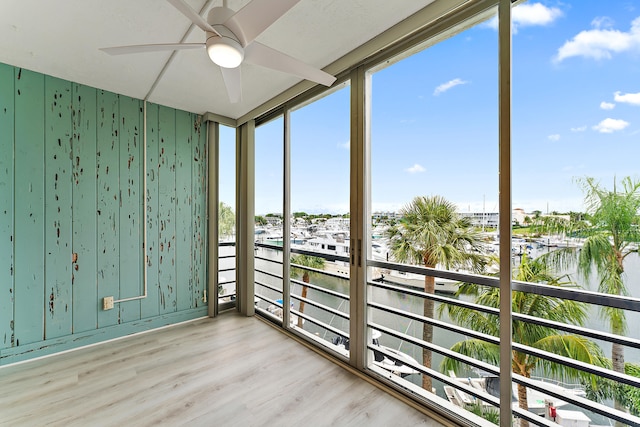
607, 105
610, 125
601, 43
629, 98
602, 22
579, 129
529, 15
554, 137
345, 145
448, 85
415, 169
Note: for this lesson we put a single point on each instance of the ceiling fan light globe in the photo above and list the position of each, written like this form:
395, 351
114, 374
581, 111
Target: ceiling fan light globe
225, 52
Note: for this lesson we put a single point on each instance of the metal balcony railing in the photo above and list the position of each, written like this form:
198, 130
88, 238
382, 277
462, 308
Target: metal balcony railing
320, 318
226, 275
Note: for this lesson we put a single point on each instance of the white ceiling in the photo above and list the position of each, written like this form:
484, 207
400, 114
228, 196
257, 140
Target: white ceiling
61, 38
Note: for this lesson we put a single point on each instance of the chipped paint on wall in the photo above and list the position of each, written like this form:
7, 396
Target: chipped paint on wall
75, 233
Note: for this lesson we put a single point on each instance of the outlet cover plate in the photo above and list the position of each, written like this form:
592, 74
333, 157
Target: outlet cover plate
107, 303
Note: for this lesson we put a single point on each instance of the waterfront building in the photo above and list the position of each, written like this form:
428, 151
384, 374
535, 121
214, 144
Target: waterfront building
482, 219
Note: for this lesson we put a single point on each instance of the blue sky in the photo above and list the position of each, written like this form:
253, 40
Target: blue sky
576, 104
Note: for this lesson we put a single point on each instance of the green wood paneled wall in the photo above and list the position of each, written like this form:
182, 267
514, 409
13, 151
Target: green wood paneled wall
71, 214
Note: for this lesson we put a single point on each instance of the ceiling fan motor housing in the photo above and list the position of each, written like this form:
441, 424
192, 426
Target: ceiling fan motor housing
225, 51
223, 48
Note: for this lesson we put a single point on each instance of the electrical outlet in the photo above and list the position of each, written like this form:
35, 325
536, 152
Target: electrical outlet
107, 303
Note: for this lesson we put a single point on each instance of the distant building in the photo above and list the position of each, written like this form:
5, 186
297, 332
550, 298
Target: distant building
376, 216
482, 219
518, 215
273, 220
338, 222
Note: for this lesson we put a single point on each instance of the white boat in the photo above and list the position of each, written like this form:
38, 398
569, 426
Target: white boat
537, 402
400, 367
326, 242
268, 235
331, 242
276, 310
413, 280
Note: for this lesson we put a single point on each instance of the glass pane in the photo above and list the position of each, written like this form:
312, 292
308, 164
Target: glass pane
227, 215
434, 199
575, 181
269, 155
320, 215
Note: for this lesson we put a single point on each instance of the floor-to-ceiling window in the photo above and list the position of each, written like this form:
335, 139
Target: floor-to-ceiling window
576, 188
269, 220
226, 214
433, 198
319, 217
435, 256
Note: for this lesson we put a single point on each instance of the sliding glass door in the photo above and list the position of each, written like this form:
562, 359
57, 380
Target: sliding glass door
319, 218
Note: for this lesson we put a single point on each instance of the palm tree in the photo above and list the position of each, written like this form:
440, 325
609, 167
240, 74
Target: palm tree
536, 336
615, 224
306, 261
431, 233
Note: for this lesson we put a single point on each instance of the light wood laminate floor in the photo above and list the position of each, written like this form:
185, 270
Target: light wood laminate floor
228, 371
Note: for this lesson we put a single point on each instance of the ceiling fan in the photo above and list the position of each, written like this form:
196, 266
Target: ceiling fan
230, 41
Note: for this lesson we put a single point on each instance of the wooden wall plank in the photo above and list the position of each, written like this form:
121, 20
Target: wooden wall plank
166, 209
130, 207
85, 289
199, 188
108, 210
58, 197
7, 91
71, 218
29, 207
151, 304
184, 245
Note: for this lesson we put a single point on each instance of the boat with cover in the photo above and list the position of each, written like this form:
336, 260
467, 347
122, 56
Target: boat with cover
537, 401
400, 366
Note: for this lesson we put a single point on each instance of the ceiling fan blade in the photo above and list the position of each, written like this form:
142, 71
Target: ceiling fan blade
233, 81
141, 48
255, 17
192, 15
259, 54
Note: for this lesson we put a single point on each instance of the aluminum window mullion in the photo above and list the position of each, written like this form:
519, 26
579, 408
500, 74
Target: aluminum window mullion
286, 221
245, 215
358, 225
504, 200
213, 140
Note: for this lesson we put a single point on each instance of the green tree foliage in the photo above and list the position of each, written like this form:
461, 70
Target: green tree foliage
226, 220
526, 333
610, 236
615, 226
627, 395
431, 233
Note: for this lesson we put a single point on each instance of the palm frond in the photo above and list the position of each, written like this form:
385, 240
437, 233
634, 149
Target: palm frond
475, 348
575, 347
431, 233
